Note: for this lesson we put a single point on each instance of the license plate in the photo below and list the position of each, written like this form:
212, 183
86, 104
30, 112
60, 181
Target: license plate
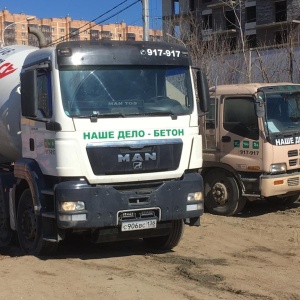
138, 225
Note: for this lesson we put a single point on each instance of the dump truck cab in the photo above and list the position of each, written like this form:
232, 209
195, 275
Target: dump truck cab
251, 145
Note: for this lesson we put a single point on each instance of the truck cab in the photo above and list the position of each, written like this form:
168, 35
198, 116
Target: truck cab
106, 143
251, 146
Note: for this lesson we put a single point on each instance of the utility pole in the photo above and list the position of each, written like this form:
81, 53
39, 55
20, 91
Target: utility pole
145, 20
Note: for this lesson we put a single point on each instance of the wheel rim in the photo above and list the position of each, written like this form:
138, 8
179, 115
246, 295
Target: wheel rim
220, 193
29, 225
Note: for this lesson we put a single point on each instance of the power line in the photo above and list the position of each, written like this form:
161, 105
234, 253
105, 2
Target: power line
117, 12
69, 34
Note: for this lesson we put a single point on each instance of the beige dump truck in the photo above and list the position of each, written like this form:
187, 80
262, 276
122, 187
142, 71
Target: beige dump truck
251, 145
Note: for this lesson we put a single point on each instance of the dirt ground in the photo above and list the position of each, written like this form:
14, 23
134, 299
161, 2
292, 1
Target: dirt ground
255, 255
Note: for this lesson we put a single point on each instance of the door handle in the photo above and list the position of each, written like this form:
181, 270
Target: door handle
226, 139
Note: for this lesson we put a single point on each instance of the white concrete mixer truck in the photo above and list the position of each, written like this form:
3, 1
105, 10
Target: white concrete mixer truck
99, 138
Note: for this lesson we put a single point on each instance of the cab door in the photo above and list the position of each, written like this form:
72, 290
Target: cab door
240, 144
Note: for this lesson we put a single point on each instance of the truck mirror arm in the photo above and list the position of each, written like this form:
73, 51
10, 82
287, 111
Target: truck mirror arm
259, 105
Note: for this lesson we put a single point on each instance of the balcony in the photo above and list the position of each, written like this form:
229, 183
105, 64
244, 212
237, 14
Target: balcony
282, 24
220, 4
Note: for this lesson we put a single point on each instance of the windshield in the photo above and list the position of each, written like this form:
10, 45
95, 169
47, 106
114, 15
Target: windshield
126, 90
283, 112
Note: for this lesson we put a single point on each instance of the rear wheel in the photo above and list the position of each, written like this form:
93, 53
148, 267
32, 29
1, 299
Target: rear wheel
222, 194
169, 241
30, 233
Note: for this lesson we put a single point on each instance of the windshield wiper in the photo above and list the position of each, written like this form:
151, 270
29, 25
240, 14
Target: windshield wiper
96, 116
159, 113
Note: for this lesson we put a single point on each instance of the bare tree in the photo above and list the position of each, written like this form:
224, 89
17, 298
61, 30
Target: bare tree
211, 49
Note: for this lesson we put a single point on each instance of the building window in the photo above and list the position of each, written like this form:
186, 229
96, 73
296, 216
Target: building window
230, 19
176, 7
52, 29
281, 37
45, 28
176, 31
106, 35
232, 43
207, 22
130, 36
251, 41
192, 5
250, 14
280, 11
74, 34
94, 34
62, 30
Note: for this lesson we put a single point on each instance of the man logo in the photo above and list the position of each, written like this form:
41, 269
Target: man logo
137, 165
136, 157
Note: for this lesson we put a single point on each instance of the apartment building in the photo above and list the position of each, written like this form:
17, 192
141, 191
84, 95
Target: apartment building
13, 28
261, 22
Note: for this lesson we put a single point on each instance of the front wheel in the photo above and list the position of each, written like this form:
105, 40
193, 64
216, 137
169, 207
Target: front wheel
29, 225
222, 194
169, 241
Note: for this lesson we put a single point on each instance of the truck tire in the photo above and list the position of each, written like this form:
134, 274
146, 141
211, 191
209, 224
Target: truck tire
222, 194
29, 225
169, 241
6, 233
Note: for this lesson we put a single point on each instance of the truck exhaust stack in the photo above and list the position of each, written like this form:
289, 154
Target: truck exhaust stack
40, 36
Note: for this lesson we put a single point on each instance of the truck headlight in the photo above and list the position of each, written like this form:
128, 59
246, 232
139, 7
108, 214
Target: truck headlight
278, 168
71, 206
195, 201
197, 196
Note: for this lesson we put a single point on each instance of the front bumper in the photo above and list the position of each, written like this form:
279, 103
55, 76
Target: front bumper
281, 184
103, 203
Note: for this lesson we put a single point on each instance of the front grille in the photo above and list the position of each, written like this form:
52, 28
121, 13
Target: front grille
292, 153
135, 157
293, 162
293, 181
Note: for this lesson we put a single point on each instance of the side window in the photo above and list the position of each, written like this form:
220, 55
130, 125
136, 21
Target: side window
211, 116
44, 92
240, 117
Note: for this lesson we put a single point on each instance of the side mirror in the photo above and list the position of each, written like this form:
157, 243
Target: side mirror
203, 91
28, 94
259, 107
